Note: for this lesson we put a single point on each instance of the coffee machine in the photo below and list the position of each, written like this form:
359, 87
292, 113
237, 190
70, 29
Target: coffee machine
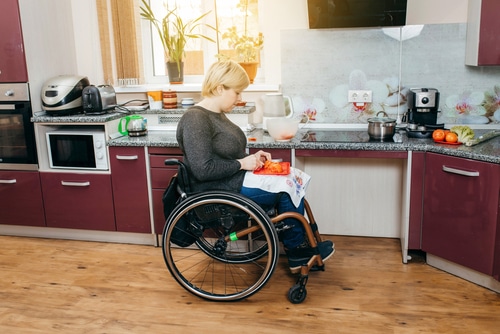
423, 105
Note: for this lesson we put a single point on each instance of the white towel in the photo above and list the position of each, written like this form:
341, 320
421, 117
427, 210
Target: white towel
294, 183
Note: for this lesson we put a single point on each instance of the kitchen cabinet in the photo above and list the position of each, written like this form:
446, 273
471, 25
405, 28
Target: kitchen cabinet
21, 198
78, 200
483, 39
130, 189
342, 187
160, 178
460, 216
12, 58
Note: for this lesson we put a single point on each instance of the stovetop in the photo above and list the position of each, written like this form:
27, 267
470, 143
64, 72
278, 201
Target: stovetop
340, 136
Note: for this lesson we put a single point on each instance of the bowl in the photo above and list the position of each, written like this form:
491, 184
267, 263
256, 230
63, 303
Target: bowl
282, 128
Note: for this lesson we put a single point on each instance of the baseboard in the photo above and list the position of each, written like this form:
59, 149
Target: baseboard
75, 234
464, 272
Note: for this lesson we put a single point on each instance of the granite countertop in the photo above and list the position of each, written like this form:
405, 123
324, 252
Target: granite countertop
488, 151
43, 117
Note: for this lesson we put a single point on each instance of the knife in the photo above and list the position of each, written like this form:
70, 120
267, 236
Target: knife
483, 138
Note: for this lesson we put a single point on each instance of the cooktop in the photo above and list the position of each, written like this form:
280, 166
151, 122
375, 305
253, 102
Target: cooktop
340, 136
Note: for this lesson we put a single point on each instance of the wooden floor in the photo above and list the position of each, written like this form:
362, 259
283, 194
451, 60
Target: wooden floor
58, 286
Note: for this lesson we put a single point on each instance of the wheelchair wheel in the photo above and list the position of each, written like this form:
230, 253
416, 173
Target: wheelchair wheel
233, 246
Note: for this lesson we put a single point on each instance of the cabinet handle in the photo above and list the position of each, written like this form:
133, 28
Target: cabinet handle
127, 157
75, 184
8, 181
460, 171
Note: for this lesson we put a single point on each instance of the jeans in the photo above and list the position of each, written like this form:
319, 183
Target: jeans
292, 237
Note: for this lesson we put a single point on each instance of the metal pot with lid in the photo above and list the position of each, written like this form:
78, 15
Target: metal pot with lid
381, 128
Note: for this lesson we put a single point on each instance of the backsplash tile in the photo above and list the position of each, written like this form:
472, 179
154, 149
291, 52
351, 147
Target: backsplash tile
320, 66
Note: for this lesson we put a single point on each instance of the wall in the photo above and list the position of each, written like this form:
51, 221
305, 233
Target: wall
66, 42
318, 67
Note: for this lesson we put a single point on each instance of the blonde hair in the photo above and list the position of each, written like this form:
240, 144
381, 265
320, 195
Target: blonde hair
227, 73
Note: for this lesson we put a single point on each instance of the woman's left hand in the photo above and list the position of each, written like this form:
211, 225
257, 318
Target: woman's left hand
262, 156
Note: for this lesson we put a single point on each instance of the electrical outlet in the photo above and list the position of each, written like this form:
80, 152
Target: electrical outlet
359, 96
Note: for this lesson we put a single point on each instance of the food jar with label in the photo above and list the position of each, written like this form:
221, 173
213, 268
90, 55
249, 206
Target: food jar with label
169, 99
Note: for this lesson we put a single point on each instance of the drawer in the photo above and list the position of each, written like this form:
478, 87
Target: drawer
158, 161
160, 177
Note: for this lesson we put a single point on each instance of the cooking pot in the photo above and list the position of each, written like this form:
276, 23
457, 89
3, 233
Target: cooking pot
381, 128
134, 126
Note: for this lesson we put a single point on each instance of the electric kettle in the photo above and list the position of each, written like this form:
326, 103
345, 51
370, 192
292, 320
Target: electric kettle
133, 126
275, 105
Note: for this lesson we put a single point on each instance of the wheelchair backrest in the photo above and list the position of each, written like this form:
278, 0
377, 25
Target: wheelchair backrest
182, 175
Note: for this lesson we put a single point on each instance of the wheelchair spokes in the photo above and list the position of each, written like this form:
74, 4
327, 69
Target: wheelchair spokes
234, 249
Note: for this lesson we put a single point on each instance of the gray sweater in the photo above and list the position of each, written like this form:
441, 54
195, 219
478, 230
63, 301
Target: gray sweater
211, 143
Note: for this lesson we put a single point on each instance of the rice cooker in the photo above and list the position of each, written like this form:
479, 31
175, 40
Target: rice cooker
62, 95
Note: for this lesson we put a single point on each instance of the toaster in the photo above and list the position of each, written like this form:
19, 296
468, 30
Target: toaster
98, 100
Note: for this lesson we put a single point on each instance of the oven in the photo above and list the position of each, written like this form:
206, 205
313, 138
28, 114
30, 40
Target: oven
17, 135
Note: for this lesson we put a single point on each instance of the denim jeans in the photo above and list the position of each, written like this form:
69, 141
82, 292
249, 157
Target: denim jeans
292, 237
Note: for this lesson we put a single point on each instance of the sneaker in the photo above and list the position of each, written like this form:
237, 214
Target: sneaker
301, 255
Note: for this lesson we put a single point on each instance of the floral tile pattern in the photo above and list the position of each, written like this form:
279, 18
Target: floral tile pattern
388, 61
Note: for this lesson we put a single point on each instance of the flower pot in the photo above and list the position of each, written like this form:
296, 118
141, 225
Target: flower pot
251, 69
174, 75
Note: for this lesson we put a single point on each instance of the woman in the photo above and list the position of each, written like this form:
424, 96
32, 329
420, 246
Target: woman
214, 153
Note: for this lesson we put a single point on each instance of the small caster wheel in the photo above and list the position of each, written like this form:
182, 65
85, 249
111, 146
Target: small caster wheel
297, 294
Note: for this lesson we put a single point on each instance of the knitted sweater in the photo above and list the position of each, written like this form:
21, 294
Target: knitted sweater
211, 143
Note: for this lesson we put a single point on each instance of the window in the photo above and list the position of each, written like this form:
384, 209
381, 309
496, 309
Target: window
200, 53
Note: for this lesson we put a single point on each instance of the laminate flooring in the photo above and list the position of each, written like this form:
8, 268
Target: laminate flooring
63, 286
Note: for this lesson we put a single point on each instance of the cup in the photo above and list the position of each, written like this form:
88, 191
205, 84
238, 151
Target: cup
155, 99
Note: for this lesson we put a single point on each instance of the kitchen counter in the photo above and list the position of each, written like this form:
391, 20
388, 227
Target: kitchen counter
43, 117
488, 151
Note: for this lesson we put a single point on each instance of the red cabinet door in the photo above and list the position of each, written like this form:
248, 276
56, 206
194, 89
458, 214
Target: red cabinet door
21, 199
81, 201
460, 210
130, 189
160, 178
12, 58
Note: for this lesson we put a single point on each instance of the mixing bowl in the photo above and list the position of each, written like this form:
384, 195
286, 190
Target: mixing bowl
282, 128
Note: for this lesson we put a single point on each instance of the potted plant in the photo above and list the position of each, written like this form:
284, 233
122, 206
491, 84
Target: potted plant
174, 33
246, 47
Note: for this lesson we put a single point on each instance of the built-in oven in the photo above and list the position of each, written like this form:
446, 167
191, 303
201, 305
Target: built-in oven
17, 135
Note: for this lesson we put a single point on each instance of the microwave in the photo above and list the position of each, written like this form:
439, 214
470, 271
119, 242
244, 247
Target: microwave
82, 149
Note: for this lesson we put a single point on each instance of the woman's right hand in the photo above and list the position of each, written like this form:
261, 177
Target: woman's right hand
254, 161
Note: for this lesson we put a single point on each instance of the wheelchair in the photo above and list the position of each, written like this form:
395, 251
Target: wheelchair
222, 246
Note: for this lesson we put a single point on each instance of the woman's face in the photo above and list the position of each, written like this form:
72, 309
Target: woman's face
229, 98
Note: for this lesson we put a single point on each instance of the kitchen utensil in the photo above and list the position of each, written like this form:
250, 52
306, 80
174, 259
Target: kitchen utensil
187, 102
283, 128
133, 126
275, 105
381, 128
62, 95
483, 138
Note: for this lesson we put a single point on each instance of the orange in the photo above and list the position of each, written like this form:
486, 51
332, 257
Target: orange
438, 135
451, 137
